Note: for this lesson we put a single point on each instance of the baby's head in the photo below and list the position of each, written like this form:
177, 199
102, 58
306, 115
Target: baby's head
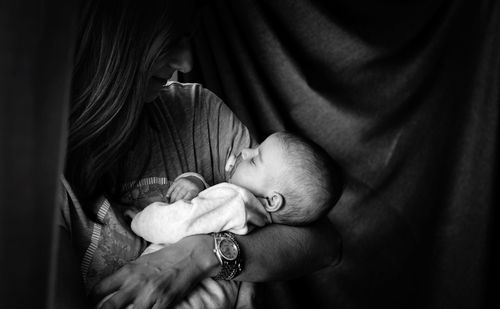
296, 179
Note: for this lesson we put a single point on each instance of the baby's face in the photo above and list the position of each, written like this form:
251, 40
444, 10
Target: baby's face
258, 169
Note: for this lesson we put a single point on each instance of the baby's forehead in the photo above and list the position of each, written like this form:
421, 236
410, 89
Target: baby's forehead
276, 139
287, 146
276, 145
286, 152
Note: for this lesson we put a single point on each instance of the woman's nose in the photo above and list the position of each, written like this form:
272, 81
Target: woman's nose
247, 153
180, 56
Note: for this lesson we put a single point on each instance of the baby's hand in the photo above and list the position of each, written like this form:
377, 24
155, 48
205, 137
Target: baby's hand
185, 188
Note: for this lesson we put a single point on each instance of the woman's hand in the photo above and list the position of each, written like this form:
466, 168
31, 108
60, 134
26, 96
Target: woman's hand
209, 293
162, 278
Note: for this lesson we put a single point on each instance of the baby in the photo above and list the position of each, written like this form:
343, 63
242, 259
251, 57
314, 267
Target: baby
285, 180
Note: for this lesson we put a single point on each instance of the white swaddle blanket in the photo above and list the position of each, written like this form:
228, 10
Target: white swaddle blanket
223, 207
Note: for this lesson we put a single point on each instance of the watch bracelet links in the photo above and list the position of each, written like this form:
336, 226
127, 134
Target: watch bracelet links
227, 274
227, 271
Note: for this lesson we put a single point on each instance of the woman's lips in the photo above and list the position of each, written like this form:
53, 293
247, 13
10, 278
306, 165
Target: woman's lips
159, 80
154, 87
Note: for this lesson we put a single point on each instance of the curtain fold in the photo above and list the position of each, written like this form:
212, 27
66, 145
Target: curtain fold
405, 96
36, 47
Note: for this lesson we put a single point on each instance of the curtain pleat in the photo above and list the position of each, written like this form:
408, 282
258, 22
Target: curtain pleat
405, 96
36, 47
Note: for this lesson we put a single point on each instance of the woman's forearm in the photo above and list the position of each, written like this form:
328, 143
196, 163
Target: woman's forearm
272, 253
279, 252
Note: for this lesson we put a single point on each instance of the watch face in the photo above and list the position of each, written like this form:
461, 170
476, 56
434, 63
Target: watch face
228, 249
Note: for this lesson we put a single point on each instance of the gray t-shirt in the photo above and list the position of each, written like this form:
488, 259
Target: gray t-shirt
187, 128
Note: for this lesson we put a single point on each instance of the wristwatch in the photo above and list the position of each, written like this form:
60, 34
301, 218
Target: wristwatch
228, 253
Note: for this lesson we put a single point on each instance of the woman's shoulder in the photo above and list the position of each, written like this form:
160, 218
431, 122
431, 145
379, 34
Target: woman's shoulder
188, 102
176, 92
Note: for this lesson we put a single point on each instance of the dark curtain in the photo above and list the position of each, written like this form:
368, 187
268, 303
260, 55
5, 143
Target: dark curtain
36, 47
405, 95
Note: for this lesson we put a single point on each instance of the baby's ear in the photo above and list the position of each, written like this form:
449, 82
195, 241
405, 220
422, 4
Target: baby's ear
274, 202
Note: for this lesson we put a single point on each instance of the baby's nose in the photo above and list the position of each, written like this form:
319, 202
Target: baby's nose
246, 153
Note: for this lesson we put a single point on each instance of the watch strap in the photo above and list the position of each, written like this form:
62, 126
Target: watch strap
229, 268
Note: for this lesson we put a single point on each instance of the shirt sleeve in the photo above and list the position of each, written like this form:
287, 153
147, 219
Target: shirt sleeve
192, 174
226, 133
188, 129
63, 214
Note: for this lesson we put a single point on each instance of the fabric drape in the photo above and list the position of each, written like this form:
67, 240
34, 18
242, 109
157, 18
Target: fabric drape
36, 47
405, 96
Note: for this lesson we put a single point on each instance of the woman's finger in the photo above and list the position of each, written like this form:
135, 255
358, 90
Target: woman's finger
104, 288
111, 284
160, 305
152, 296
120, 299
146, 298
163, 302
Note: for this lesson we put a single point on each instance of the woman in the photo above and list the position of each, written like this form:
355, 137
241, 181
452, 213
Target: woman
130, 135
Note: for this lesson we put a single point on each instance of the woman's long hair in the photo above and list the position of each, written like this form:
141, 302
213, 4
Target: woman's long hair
118, 44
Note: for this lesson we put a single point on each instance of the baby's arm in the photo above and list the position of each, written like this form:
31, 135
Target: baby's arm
219, 208
186, 187
161, 223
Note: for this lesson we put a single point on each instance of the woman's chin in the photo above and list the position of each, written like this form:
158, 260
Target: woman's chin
154, 90
151, 97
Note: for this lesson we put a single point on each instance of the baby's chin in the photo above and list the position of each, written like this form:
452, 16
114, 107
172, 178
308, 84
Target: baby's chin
232, 180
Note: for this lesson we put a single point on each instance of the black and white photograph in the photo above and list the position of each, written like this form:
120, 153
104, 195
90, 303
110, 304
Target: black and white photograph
249, 154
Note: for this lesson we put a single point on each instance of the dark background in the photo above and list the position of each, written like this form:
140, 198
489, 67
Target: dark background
404, 95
